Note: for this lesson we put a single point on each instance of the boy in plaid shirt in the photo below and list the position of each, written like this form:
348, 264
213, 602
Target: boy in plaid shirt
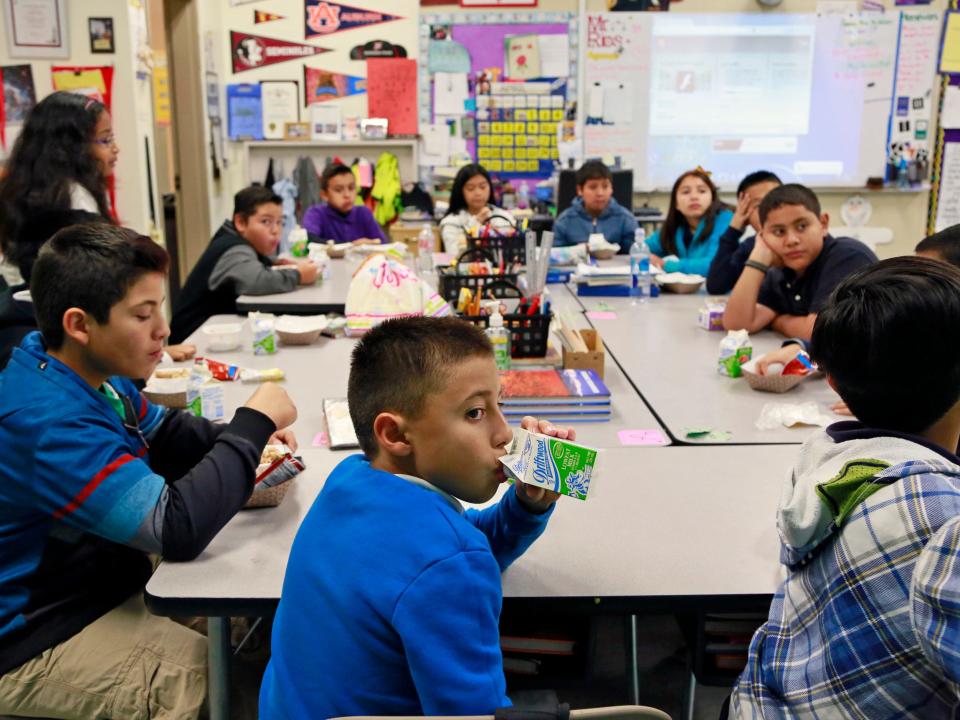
867, 622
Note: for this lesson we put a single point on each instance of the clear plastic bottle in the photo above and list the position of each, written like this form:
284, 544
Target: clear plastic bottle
523, 195
640, 267
425, 248
500, 339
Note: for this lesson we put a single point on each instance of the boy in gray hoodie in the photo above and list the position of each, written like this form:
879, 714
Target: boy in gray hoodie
867, 622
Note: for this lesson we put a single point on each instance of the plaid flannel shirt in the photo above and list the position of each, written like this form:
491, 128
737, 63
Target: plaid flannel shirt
867, 625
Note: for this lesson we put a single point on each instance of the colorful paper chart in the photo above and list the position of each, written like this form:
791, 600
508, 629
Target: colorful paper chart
392, 93
517, 133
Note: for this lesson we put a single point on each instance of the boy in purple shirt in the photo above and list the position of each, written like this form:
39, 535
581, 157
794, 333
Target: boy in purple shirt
340, 220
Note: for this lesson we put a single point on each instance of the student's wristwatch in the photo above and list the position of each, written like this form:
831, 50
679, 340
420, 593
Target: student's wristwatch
757, 265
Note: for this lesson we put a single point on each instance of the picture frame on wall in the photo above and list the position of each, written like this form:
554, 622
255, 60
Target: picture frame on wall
101, 34
36, 28
296, 131
281, 106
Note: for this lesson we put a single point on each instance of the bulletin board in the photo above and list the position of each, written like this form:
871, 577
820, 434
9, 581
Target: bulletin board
509, 127
944, 208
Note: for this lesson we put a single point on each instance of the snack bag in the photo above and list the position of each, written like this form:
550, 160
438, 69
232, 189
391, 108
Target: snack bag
382, 288
264, 333
735, 350
559, 465
277, 465
218, 370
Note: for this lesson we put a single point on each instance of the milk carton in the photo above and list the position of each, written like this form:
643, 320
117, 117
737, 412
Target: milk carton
264, 333
204, 396
711, 314
558, 465
735, 350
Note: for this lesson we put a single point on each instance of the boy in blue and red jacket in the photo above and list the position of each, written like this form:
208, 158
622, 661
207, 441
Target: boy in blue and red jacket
389, 578
95, 479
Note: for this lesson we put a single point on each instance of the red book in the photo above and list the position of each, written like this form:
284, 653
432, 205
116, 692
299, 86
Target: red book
532, 384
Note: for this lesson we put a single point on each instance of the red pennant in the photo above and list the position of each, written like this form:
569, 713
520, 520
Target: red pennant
250, 52
259, 16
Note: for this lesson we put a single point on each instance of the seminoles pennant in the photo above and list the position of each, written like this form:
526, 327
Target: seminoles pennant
324, 17
259, 16
250, 52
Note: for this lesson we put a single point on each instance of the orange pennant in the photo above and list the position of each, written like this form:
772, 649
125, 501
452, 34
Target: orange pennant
259, 16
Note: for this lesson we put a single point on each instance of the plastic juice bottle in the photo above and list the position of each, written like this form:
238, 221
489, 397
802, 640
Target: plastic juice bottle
500, 339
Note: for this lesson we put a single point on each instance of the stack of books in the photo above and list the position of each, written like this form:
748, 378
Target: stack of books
603, 280
558, 395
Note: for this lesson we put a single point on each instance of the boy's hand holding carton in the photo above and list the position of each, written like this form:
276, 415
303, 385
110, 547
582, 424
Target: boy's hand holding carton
547, 464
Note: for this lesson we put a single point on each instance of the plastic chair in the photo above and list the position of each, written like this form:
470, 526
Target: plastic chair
618, 712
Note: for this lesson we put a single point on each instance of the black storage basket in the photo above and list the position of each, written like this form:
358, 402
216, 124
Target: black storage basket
528, 333
450, 282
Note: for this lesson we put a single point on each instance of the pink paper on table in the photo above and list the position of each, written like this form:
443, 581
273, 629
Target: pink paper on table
641, 437
601, 315
320, 439
392, 93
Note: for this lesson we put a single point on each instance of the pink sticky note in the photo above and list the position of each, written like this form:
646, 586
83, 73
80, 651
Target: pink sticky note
641, 437
601, 315
320, 439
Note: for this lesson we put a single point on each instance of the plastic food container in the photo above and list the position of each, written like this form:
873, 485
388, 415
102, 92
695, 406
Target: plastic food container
294, 330
221, 337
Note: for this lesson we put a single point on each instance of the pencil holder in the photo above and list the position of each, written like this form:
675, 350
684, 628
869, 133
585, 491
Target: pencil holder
450, 281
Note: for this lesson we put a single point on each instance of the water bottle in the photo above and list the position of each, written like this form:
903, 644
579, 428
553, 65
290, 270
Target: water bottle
500, 339
523, 195
425, 248
639, 267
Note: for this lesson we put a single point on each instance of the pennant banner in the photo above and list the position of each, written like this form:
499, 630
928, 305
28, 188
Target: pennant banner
324, 18
378, 48
250, 52
321, 85
259, 16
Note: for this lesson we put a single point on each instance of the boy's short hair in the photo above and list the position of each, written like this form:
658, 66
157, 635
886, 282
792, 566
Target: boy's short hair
90, 267
397, 364
246, 202
755, 178
888, 338
945, 243
790, 194
331, 171
593, 170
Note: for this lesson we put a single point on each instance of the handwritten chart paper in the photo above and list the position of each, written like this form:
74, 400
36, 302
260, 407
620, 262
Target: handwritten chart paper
950, 57
392, 93
948, 205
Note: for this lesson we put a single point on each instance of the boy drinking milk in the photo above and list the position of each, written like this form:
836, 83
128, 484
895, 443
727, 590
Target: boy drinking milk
392, 594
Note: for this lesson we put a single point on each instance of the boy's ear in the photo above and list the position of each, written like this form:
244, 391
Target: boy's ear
825, 221
240, 223
390, 431
579, 190
76, 325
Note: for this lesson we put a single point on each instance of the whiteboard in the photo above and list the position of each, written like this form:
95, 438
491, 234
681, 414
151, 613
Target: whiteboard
808, 97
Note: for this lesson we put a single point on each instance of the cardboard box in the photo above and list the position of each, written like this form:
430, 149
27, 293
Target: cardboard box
408, 233
593, 359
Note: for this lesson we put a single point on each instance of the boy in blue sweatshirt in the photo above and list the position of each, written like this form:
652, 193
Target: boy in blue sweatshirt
392, 593
595, 210
96, 479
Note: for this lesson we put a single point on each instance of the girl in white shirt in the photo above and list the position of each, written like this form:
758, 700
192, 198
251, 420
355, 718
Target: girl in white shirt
470, 208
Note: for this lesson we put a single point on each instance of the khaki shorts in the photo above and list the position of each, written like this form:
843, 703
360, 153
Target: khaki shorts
129, 664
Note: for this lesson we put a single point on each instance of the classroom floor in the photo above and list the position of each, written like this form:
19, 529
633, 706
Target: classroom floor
663, 673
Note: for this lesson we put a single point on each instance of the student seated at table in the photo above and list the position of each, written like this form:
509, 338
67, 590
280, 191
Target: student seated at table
794, 266
470, 208
866, 623
732, 254
96, 480
691, 231
237, 262
943, 246
340, 219
595, 210
392, 592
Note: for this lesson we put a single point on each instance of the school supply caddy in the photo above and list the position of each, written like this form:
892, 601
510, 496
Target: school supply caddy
383, 288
